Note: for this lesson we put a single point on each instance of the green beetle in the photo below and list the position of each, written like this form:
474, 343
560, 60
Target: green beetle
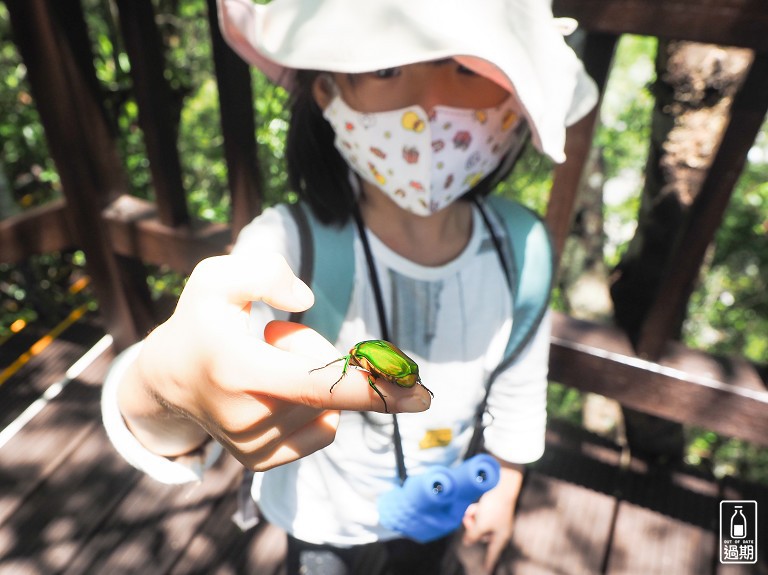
383, 359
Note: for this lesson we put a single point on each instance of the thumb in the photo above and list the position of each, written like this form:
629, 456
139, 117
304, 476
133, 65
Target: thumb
267, 278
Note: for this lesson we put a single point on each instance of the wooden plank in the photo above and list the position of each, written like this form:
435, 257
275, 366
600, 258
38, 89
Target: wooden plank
561, 528
48, 441
16, 344
220, 547
40, 370
760, 569
153, 523
20, 235
686, 386
45, 533
69, 503
565, 511
665, 523
565, 502
727, 22
648, 542
42, 469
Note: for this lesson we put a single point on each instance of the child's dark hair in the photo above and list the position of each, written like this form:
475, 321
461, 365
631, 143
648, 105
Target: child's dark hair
316, 170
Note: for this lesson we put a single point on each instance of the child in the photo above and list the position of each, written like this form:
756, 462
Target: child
403, 116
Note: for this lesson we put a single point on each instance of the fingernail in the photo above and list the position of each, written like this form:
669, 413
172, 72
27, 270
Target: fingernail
412, 404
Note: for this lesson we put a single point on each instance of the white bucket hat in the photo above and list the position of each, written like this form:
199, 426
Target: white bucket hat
515, 43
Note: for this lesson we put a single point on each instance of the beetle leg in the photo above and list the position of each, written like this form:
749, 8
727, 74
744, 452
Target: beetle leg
425, 387
378, 391
343, 371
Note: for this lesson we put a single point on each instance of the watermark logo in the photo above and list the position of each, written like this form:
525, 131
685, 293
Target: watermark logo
738, 531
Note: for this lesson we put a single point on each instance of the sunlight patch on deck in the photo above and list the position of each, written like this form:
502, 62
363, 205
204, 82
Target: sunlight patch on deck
55, 389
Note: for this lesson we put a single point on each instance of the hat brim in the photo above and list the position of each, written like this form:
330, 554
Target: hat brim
515, 43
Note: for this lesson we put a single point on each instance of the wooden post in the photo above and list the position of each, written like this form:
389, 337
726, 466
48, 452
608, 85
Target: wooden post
233, 77
84, 154
597, 56
145, 50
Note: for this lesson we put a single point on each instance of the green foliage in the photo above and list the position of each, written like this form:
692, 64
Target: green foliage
201, 152
530, 180
723, 457
729, 311
43, 289
271, 131
565, 402
624, 129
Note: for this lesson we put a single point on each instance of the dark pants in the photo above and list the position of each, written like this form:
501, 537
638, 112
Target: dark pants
396, 557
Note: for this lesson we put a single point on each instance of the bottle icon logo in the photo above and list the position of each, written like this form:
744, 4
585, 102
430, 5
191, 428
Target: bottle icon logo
738, 524
738, 531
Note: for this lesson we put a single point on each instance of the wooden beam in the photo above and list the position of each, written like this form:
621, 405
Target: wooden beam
21, 237
153, 94
724, 395
233, 78
726, 22
597, 54
135, 231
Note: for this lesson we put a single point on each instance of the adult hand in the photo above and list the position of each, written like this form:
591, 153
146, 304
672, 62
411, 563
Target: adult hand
202, 373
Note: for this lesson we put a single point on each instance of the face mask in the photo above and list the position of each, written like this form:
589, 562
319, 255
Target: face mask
423, 161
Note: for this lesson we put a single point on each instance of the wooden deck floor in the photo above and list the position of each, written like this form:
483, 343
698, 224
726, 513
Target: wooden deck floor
69, 504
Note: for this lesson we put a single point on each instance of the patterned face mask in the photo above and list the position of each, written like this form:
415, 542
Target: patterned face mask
423, 161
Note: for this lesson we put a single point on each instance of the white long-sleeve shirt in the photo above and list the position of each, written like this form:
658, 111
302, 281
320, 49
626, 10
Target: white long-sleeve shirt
454, 321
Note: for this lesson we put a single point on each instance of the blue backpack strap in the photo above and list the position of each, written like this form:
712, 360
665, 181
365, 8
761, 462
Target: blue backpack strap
328, 267
531, 274
533, 260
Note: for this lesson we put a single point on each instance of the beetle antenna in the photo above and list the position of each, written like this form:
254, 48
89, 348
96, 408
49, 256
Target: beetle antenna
327, 364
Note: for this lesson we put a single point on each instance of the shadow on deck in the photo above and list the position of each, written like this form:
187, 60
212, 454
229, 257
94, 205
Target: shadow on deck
70, 504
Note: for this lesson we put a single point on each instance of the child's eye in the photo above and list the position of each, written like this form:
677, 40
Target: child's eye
386, 73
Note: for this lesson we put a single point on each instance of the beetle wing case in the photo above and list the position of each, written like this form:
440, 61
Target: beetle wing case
431, 505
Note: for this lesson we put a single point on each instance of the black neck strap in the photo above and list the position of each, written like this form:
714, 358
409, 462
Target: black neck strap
383, 325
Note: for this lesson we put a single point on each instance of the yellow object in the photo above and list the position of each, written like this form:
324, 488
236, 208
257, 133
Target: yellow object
38, 347
436, 438
412, 121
